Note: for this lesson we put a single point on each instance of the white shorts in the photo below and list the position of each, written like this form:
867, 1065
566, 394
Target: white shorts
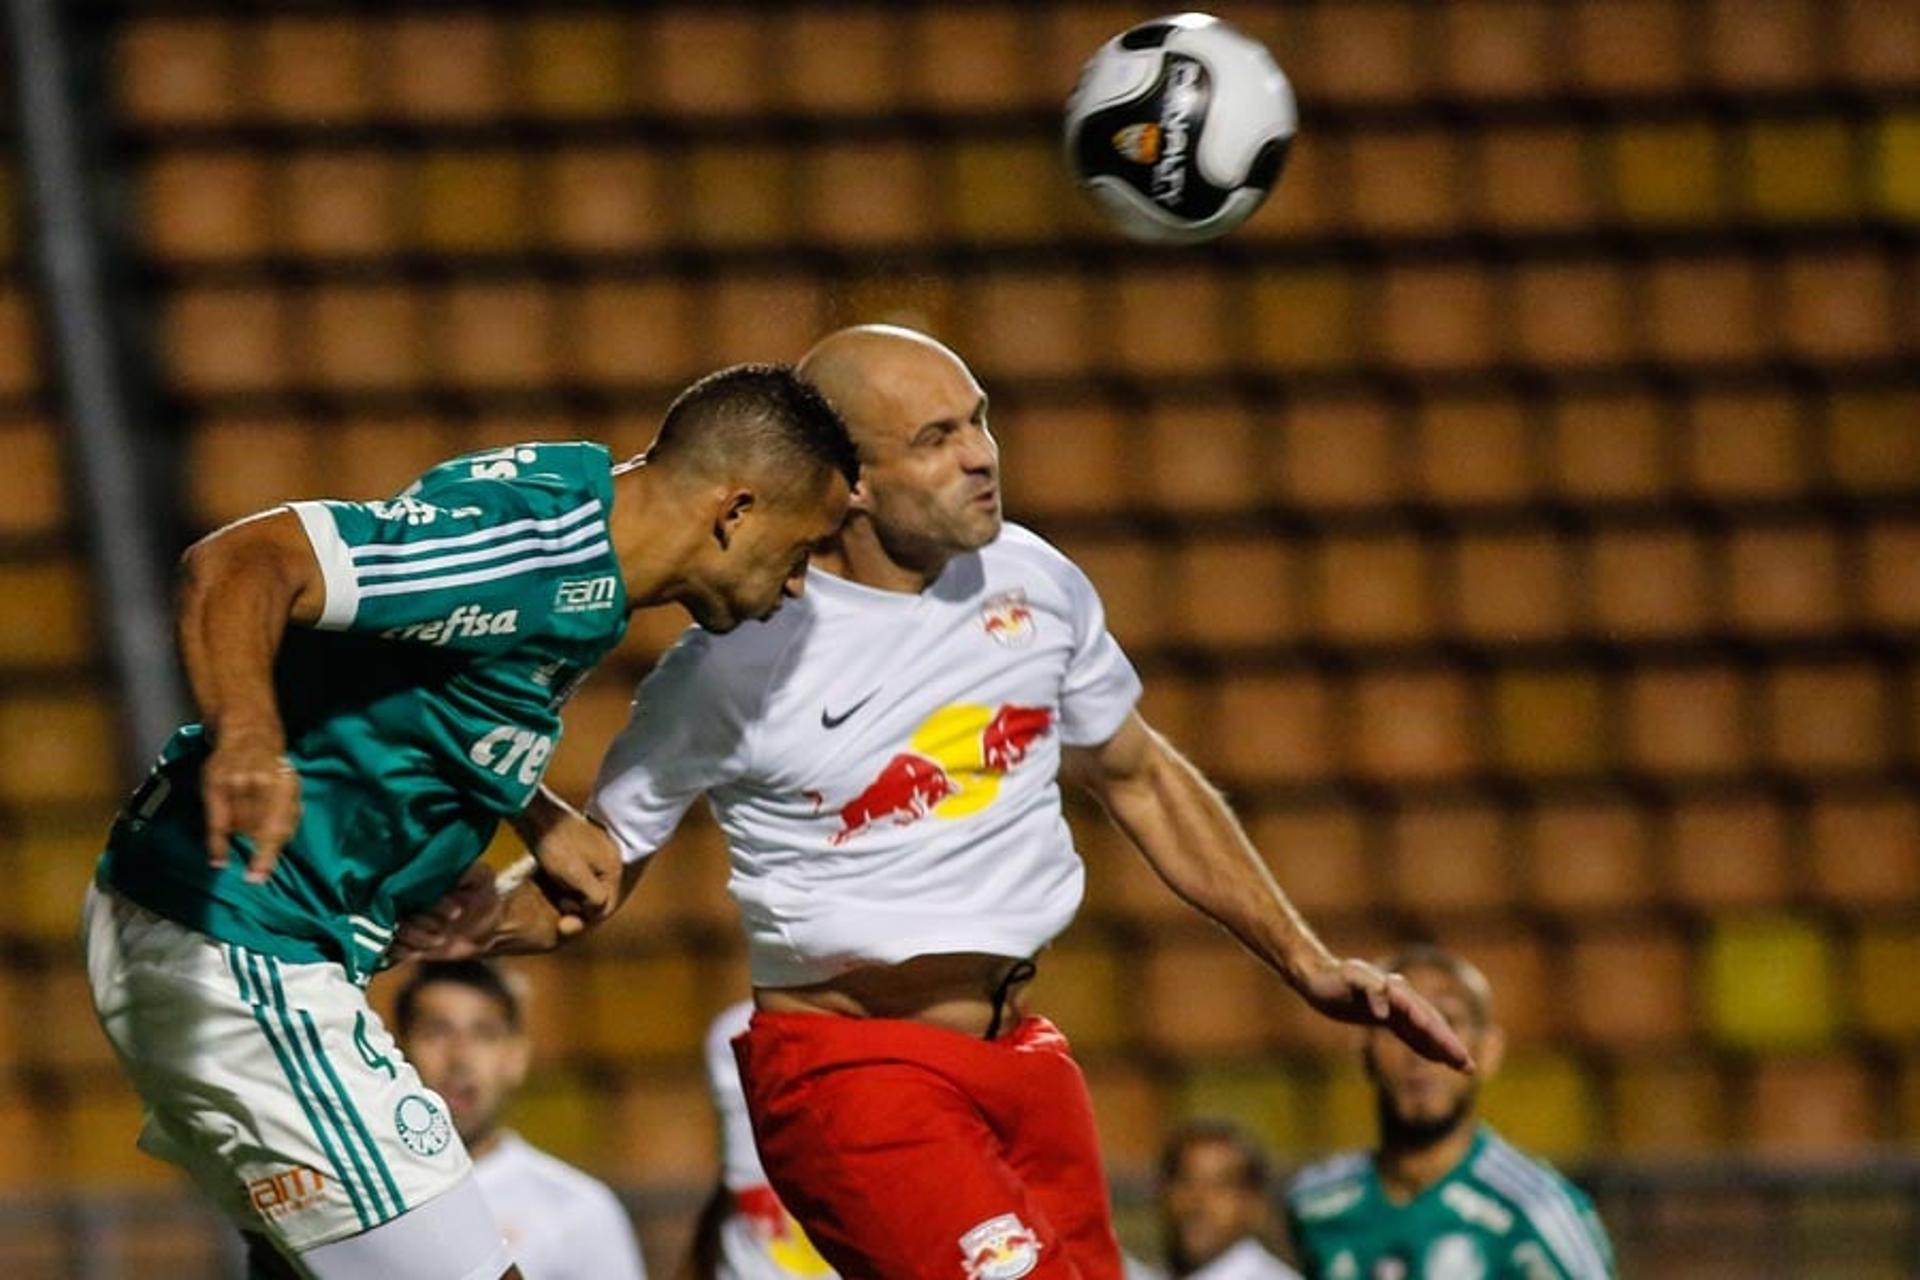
278, 1089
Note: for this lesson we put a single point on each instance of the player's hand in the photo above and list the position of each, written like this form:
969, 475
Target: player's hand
579, 869
249, 788
458, 927
1356, 992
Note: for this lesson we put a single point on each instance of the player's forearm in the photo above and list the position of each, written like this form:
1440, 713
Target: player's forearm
236, 596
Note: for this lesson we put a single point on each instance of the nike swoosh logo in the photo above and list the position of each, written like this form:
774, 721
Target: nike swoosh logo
831, 721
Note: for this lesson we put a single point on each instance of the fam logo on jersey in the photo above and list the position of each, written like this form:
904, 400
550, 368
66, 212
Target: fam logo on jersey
1139, 143
587, 595
422, 1125
1002, 1248
469, 620
1008, 618
953, 768
290, 1191
1454, 1257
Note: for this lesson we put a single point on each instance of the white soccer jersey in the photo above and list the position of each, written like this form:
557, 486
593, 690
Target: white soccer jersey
884, 765
1248, 1260
561, 1223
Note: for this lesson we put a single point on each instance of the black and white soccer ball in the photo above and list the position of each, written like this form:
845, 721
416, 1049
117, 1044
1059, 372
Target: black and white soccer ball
1179, 128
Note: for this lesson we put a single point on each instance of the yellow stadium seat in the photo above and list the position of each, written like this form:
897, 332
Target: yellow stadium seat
1065, 459
1404, 182
1500, 50
1729, 852
1871, 445
365, 338
564, 1115
204, 206
471, 201
1201, 458
865, 194
1004, 190
225, 340
1629, 988
663, 1132
1589, 855
1371, 53
1842, 306
1435, 318
94, 1148
1551, 722
1085, 986
46, 614
313, 69
1535, 178
178, 71
1271, 1103
1028, 324
1768, 983
1800, 171
1339, 451
1543, 1103
633, 331
497, 336
1129, 1113
1647, 583
1812, 1107
1666, 173
1474, 450
1272, 727
738, 195
1896, 177
1412, 726
1373, 589
643, 1008
1510, 587
1884, 961
27, 1144
1347, 1117
1129, 574
58, 748
841, 62
1866, 850
1772, 47
1000, 59
1705, 311
1205, 996
1448, 859
1827, 719
1892, 555
772, 317
1571, 314
66, 1038
575, 65
1302, 318
1656, 30
1170, 321
1228, 593
1785, 580
603, 200
446, 67
1686, 720
1666, 1106
53, 862
1320, 856
1745, 444
32, 492
339, 204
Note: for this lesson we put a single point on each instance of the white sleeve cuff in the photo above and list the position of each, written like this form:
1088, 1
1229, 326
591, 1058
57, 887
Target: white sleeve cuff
336, 565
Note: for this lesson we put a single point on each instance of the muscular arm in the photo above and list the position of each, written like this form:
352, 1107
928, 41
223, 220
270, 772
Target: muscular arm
239, 588
1190, 836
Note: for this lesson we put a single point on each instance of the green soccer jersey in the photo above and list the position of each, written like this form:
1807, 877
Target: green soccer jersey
1498, 1215
422, 708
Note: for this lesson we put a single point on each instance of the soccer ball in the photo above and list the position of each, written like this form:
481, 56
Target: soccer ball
1179, 127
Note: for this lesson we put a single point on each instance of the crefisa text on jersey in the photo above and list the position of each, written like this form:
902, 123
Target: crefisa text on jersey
467, 620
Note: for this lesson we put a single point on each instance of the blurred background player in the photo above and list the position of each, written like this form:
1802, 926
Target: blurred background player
462, 1025
744, 1232
380, 684
1442, 1195
1215, 1210
885, 762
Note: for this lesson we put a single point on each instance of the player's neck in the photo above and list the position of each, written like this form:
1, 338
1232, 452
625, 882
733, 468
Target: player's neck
487, 1143
652, 532
859, 555
1408, 1169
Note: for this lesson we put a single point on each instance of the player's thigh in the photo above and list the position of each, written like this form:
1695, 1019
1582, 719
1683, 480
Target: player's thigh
893, 1172
452, 1237
1053, 1146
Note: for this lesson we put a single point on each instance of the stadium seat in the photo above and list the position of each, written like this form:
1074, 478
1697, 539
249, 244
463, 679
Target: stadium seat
1543, 1103
1768, 984
1509, 588
221, 340
1611, 447
1339, 451
1800, 171
1120, 880
1270, 1102
642, 1008
592, 718
1475, 450
708, 61
1002, 191
46, 615
170, 1244
51, 864
1302, 318
548, 1009
1812, 1107
496, 336
686, 887
339, 204
1784, 580
1526, 980
378, 457
1320, 856
1827, 719
1666, 174
1065, 459
1372, 589
1405, 183
364, 337
1892, 562
1499, 50
94, 1150
1347, 1117
312, 70
1571, 314
1895, 188
1083, 987
1729, 852
565, 1115
1366, 53
1665, 1106
1842, 307
1449, 859
1412, 726
1435, 318
66, 1039
860, 195
1129, 573
1228, 593
446, 67
575, 66
738, 195
471, 201
1028, 325
205, 206
1745, 444
1129, 1113
1866, 850
1659, 33
1589, 855
1871, 445
178, 71
26, 1147
1272, 727
1760, 48
1181, 707
58, 748
1317, 200
1884, 960
840, 62
1647, 583
1879, 44
632, 332
20, 366
770, 317
1686, 720
1000, 68
1169, 321
1201, 458
1628, 988
604, 200
662, 1131
33, 497
1704, 311
1551, 722
1535, 178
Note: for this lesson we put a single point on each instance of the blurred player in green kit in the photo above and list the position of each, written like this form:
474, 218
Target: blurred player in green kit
1444, 1197
379, 684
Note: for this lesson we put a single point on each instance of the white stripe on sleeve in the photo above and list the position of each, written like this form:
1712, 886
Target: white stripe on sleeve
495, 551
492, 572
1547, 1205
431, 547
336, 565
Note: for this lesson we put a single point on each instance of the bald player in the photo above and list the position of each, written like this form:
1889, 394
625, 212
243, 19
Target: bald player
885, 759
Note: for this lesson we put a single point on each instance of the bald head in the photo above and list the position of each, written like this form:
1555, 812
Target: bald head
887, 381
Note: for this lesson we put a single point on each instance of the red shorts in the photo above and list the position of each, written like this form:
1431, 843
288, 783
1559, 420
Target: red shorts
911, 1151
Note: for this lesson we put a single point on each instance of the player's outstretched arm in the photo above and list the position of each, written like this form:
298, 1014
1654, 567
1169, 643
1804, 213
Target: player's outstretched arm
1189, 834
239, 587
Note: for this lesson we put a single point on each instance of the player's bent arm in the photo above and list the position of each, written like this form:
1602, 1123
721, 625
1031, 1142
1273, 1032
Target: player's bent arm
1189, 835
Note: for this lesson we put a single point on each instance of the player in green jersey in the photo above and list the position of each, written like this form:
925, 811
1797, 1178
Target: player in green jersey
379, 685
1444, 1197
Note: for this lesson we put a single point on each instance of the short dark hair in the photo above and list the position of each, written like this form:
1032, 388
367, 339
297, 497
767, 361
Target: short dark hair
762, 412
476, 975
1254, 1171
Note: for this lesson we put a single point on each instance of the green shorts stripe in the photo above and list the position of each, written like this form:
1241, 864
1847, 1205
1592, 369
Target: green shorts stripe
353, 1114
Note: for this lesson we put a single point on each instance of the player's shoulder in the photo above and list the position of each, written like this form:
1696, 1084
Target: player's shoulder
1019, 544
1020, 555
1556, 1211
535, 474
1328, 1188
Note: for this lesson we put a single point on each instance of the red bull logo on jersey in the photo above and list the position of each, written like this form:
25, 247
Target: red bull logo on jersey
1002, 1248
1008, 619
952, 768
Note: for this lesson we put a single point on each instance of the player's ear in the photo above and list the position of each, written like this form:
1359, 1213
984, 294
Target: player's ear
732, 511
521, 1059
862, 499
